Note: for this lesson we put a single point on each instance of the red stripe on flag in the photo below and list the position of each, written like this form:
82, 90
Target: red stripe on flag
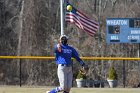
82, 22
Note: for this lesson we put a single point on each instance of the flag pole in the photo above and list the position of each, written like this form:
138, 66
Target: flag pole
62, 16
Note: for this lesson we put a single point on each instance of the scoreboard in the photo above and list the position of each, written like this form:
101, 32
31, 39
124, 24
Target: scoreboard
123, 30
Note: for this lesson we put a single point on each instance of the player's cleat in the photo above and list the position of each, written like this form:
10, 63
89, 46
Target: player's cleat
47, 91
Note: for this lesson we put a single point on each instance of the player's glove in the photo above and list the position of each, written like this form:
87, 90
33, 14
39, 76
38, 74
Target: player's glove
84, 69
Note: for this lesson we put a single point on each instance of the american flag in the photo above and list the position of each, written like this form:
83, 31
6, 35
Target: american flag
81, 21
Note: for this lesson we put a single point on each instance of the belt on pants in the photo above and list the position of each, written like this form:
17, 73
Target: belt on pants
67, 65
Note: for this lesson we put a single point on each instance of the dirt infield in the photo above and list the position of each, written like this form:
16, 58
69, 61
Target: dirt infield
74, 90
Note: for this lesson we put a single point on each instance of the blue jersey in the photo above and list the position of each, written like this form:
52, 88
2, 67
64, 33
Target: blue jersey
67, 52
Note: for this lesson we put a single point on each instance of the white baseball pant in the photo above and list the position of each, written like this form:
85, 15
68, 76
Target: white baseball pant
65, 76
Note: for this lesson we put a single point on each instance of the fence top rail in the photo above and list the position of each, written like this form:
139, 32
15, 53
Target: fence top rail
84, 58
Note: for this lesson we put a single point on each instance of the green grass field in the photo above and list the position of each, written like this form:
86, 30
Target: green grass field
74, 90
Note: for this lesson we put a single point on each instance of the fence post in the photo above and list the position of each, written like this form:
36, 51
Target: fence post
124, 75
20, 72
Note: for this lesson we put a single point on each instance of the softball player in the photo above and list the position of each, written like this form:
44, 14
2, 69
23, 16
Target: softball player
63, 54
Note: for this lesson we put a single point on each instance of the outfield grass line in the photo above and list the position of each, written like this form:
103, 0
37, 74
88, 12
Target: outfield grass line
40, 89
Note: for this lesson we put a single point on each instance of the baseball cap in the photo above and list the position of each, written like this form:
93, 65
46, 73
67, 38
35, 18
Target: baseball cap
64, 36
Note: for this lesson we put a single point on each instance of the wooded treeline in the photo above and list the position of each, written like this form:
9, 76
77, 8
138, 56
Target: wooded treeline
32, 27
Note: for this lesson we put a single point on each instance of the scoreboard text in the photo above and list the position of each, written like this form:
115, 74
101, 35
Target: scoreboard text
123, 30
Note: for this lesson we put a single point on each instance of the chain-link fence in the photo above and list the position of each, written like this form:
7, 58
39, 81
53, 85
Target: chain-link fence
42, 72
